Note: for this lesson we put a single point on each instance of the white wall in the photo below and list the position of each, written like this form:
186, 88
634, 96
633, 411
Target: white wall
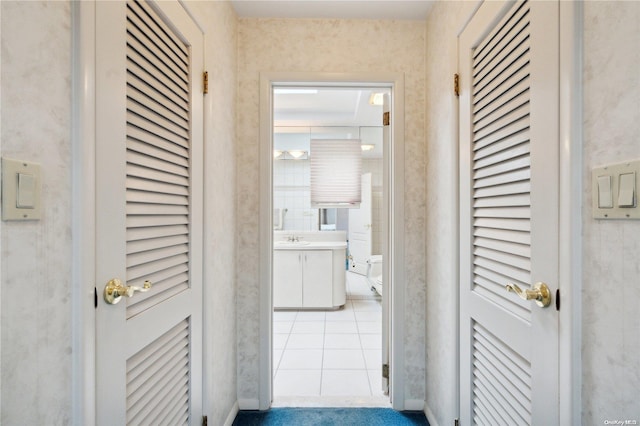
36, 256
320, 45
611, 262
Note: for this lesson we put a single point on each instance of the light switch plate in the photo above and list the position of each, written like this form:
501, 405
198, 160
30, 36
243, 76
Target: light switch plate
615, 171
29, 185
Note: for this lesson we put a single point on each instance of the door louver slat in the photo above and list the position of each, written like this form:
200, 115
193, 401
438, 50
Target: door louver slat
146, 233
515, 127
154, 146
159, 86
484, 48
144, 44
156, 118
503, 90
504, 58
497, 371
174, 45
147, 268
158, 370
508, 153
158, 155
512, 200
514, 224
141, 89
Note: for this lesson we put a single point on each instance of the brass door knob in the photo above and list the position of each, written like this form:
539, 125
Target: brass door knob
540, 293
115, 290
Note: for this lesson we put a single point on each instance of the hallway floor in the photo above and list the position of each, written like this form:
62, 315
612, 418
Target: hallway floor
331, 358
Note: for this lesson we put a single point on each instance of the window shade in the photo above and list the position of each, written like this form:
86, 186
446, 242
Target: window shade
336, 169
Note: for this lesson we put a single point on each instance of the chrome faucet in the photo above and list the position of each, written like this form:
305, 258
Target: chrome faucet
293, 239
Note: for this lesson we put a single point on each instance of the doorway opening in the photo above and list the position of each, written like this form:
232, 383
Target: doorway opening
329, 337
393, 222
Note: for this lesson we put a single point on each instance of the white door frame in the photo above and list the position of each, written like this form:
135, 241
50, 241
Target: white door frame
84, 215
570, 216
394, 250
570, 221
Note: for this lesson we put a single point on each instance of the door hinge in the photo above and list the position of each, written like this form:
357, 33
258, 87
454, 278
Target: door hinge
385, 371
95, 297
204, 421
557, 299
456, 84
205, 82
386, 118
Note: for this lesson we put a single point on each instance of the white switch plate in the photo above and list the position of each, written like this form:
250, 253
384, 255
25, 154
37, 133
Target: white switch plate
11, 170
615, 171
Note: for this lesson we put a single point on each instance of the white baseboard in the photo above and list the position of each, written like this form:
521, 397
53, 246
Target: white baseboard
248, 404
430, 417
232, 415
414, 404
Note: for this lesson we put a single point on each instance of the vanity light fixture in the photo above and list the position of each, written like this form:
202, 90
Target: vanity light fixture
294, 154
298, 154
367, 147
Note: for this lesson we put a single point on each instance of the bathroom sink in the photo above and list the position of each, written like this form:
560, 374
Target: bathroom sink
292, 243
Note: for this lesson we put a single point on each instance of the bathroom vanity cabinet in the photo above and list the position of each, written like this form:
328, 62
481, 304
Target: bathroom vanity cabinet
309, 278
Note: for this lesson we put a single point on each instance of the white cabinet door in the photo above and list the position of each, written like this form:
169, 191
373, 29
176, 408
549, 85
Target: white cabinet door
317, 282
287, 279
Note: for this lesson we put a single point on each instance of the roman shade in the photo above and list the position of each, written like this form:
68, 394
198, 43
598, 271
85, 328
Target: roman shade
336, 169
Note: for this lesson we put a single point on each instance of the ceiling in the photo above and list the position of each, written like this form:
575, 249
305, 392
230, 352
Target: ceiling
305, 113
334, 9
325, 107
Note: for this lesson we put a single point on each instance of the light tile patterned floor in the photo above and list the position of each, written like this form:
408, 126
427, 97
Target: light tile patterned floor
330, 358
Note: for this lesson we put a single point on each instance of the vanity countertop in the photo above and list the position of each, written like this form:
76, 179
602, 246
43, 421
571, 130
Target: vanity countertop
309, 245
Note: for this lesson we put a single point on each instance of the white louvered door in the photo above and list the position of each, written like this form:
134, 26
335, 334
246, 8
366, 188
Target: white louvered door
149, 200
509, 144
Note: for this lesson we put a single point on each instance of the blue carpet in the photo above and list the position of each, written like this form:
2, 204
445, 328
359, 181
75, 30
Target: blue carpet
330, 417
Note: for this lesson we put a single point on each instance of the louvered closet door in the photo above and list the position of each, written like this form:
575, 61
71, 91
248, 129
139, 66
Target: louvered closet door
509, 147
149, 129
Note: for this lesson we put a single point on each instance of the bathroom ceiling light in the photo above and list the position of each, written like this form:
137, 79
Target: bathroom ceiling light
295, 91
367, 147
376, 99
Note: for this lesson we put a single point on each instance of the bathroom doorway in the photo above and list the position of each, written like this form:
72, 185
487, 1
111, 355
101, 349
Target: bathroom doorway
392, 225
328, 254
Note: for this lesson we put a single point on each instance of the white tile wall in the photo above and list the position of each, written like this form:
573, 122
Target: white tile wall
291, 191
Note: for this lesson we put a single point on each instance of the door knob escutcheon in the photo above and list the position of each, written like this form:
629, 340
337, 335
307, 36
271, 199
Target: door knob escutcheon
540, 293
115, 290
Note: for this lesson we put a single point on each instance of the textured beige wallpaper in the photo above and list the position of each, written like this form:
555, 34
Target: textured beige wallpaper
36, 255
442, 25
611, 262
310, 45
219, 22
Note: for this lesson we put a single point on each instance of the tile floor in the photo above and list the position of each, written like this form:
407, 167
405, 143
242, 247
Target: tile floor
333, 355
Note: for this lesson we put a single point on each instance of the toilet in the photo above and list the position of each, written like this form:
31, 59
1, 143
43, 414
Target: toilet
374, 273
